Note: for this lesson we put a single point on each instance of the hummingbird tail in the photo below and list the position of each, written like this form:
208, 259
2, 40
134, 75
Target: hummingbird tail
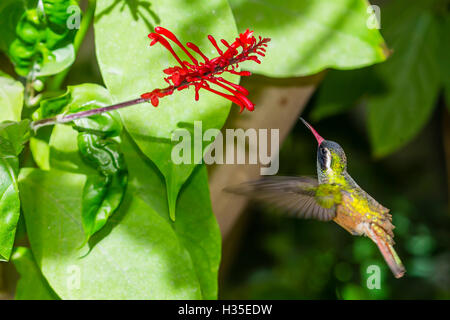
386, 248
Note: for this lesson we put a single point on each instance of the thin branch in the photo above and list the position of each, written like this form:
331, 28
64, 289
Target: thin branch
193, 75
65, 118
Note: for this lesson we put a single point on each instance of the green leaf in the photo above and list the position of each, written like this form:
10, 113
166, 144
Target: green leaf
139, 255
63, 153
42, 40
10, 13
341, 89
194, 213
59, 60
11, 98
411, 78
9, 205
32, 285
96, 144
40, 149
130, 67
12, 137
310, 36
104, 191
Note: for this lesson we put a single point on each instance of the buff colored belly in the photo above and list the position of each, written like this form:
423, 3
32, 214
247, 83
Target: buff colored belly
349, 219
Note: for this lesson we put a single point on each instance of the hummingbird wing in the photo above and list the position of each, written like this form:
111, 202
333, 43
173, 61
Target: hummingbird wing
296, 195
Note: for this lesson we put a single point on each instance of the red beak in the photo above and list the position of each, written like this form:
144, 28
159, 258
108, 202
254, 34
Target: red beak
314, 132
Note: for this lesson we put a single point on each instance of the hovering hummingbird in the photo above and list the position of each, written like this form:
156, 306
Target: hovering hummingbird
333, 196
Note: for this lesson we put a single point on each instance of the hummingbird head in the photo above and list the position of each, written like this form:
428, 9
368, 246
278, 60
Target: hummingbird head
331, 157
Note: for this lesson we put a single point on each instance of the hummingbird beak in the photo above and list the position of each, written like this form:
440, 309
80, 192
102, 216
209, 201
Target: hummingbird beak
314, 132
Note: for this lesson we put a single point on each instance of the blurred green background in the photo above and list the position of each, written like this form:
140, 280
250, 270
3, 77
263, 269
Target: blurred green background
392, 119
286, 258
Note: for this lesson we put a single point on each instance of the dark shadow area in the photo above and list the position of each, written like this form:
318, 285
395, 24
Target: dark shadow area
285, 258
137, 8
113, 221
152, 139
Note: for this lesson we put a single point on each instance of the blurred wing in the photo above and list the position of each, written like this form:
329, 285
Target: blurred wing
295, 195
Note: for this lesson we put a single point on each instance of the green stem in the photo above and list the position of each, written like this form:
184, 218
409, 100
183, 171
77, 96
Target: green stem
86, 21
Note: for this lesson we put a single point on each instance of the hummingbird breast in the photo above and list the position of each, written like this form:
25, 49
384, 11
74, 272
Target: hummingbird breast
358, 210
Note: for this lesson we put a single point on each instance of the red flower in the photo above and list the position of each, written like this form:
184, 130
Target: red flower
201, 74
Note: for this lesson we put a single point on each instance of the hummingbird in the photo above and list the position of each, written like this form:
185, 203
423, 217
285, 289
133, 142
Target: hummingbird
333, 196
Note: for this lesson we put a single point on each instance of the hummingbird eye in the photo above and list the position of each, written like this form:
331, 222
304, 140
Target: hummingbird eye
324, 156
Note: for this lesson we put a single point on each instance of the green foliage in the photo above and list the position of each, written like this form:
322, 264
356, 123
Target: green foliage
98, 143
341, 89
402, 92
168, 259
40, 150
145, 182
411, 77
32, 284
12, 137
102, 194
10, 13
42, 42
310, 36
11, 98
129, 69
119, 188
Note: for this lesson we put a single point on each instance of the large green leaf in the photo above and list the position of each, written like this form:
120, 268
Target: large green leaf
196, 226
36, 37
9, 205
130, 67
311, 35
140, 253
11, 98
138, 258
32, 284
411, 77
59, 60
97, 145
341, 89
11, 142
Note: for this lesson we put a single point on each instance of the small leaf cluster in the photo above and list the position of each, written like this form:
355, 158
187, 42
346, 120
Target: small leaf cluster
41, 31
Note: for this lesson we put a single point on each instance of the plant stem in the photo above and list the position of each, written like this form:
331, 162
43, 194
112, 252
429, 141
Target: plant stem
86, 21
62, 118
65, 118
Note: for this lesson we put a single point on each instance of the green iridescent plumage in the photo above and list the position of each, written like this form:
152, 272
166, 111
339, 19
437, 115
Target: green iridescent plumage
328, 195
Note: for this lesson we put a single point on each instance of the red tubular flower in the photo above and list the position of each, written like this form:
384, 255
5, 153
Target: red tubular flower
201, 74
